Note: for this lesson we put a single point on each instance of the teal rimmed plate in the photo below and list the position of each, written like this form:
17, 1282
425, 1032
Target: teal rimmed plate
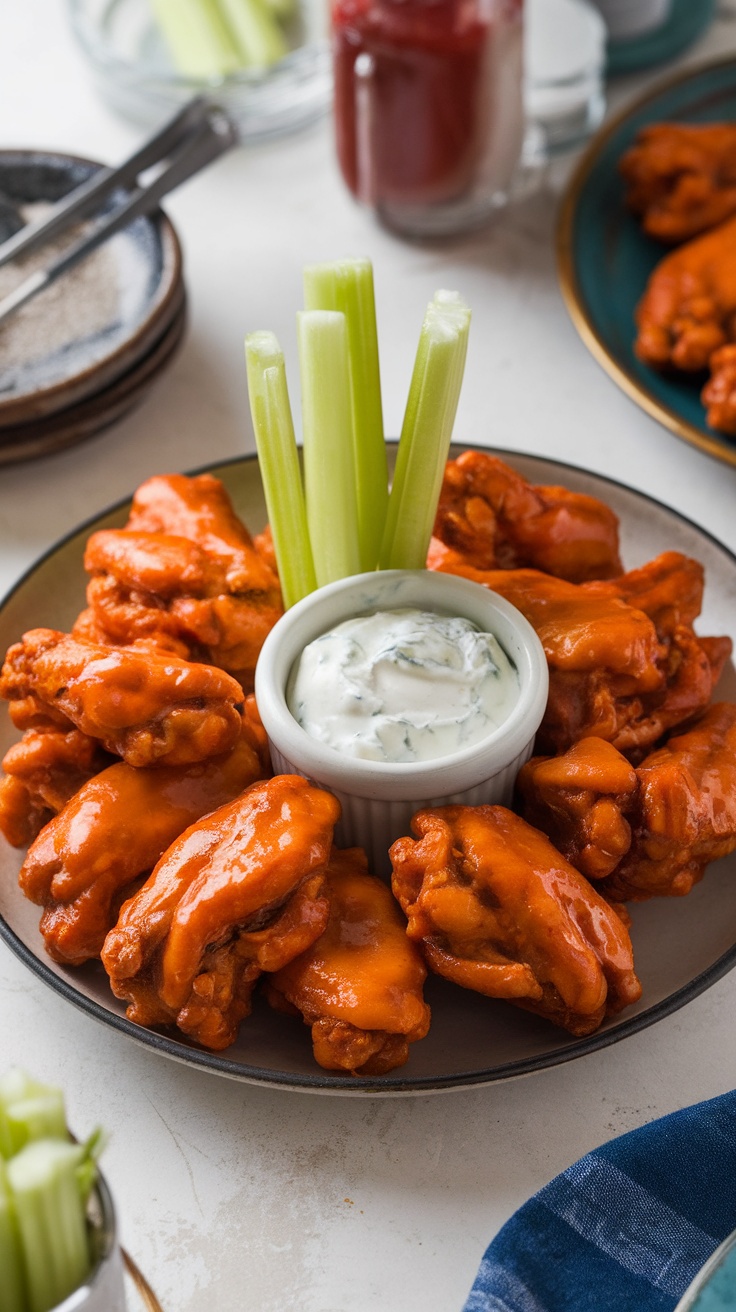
714, 1288
604, 259
687, 20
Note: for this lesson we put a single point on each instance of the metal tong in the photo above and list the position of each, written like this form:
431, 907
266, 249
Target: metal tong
198, 134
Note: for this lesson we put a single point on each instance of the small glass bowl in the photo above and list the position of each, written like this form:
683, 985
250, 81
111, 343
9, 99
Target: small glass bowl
379, 798
103, 1291
134, 73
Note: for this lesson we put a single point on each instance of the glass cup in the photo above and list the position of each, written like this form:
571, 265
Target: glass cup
429, 112
103, 1290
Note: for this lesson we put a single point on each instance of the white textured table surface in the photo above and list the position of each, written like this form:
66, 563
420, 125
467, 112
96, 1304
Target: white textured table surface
234, 1197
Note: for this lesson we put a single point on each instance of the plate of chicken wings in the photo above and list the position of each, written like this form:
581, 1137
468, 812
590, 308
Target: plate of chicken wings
647, 254
155, 873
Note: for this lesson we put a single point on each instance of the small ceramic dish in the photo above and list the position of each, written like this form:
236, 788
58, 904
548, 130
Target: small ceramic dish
94, 323
94, 413
378, 798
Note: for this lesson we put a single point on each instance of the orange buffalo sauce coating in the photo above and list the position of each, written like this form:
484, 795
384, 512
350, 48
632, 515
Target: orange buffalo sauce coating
360, 984
498, 910
238, 893
147, 706
112, 832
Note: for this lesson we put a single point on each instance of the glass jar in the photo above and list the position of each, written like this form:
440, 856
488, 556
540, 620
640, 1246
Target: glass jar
428, 108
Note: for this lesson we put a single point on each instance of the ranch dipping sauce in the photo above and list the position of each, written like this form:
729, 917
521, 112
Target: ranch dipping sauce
402, 686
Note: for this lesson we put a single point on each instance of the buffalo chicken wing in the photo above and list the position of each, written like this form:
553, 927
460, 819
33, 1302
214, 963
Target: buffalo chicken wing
146, 706
113, 831
359, 985
688, 309
42, 772
498, 910
681, 178
184, 570
493, 518
615, 671
240, 892
645, 832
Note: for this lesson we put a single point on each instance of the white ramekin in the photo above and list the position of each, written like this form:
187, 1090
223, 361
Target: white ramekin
379, 798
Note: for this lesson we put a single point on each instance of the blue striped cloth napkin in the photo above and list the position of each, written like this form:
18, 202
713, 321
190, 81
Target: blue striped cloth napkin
625, 1229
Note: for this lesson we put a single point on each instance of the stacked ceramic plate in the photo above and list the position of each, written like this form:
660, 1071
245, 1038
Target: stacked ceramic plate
87, 348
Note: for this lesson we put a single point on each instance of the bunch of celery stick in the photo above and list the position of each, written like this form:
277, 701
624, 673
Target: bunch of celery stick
45, 1182
342, 520
211, 38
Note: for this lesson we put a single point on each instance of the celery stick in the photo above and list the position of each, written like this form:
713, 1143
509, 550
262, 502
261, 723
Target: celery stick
426, 433
28, 1110
347, 285
51, 1220
258, 36
87, 1169
39, 1117
12, 1277
6, 1138
199, 40
15, 1084
279, 461
281, 9
329, 467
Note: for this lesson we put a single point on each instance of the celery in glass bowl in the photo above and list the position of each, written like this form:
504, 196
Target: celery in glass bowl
58, 1245
267, 62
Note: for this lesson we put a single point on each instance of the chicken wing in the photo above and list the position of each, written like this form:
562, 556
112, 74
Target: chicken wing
669, 589
493, 518
604, 656
681, 178
612, 674
646, 833
184, 570
581, 801
238, 893
42, 772
688, 309
719, 394
359, 985
685, 813
146, 706
498, 910
112, 832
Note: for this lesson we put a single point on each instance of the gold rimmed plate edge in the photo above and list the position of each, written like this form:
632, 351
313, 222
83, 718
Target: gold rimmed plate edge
570, 287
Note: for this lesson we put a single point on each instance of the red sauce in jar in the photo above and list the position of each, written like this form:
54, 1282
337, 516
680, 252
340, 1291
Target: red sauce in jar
414, 102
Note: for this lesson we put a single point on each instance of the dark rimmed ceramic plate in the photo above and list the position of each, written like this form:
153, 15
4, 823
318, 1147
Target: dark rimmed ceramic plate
92, 414
95, 322
681, 948
604, 258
